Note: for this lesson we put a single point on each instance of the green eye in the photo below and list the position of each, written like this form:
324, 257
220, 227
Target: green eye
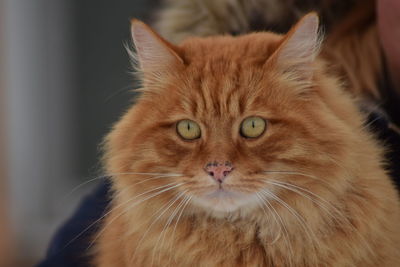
252, 127
188, 129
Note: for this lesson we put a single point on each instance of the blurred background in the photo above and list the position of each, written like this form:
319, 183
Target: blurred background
64, 80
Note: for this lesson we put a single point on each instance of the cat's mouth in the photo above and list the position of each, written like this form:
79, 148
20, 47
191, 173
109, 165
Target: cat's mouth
223, 198
222, 192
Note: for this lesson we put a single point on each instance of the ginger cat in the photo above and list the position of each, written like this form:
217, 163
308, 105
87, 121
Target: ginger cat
245, 151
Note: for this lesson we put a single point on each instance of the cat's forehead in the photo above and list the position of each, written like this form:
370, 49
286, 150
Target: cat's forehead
221, 91
225, 76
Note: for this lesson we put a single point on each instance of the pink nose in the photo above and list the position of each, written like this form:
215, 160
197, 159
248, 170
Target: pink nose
218, 170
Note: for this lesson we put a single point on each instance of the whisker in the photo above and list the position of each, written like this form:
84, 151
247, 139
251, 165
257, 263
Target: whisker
189, 198
170, 203
107, 213
281, 224
300, 174
133, 205
125, 89
146, 180
264, 202
299, 218
112, 174
288, 187
163, 231
148, 173
176, 212
343, 218
367, 125
83, 184
337, 211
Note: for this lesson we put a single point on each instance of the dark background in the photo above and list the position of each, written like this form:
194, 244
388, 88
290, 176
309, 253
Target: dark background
105, 85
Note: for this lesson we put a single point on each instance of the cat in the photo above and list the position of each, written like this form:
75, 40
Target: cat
245, 151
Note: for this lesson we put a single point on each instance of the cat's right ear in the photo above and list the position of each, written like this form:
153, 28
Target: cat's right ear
298, 50
153, 54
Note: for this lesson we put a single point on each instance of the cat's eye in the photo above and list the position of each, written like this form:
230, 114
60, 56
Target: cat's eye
252, 127
188, 129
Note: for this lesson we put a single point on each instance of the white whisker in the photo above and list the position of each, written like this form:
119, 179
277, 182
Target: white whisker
121, 173
169, 204
300, 174
299, 218
289, 187
281, 224
134, 205
163, 231
176, 224
343, 218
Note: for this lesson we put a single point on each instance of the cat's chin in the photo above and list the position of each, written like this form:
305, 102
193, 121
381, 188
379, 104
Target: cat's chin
225, 201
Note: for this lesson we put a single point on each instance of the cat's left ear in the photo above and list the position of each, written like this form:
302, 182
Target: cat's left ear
154, 54
299, 49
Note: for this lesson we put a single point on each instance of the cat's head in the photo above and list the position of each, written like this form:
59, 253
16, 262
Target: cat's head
228, 122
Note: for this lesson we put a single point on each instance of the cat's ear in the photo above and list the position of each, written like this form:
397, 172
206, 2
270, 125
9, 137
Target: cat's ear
153, 53
299, 48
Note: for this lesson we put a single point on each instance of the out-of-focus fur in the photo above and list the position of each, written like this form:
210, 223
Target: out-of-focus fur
352, 46
337, 205
354, 52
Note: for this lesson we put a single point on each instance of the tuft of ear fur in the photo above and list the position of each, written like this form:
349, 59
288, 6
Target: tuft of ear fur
299, 49
154, 54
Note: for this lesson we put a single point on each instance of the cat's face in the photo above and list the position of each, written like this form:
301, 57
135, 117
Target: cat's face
226, 122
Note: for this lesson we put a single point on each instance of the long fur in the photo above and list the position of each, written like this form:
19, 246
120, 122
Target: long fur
318, 193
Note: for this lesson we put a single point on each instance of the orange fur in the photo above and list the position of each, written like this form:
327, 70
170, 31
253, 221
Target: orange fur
337, 205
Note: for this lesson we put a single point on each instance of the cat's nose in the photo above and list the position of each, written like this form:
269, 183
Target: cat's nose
218, 170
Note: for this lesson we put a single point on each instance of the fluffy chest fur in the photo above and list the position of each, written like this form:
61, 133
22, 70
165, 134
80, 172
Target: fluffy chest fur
309, 235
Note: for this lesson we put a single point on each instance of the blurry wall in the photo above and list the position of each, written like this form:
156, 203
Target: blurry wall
40, 112
67, 82
6, 251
